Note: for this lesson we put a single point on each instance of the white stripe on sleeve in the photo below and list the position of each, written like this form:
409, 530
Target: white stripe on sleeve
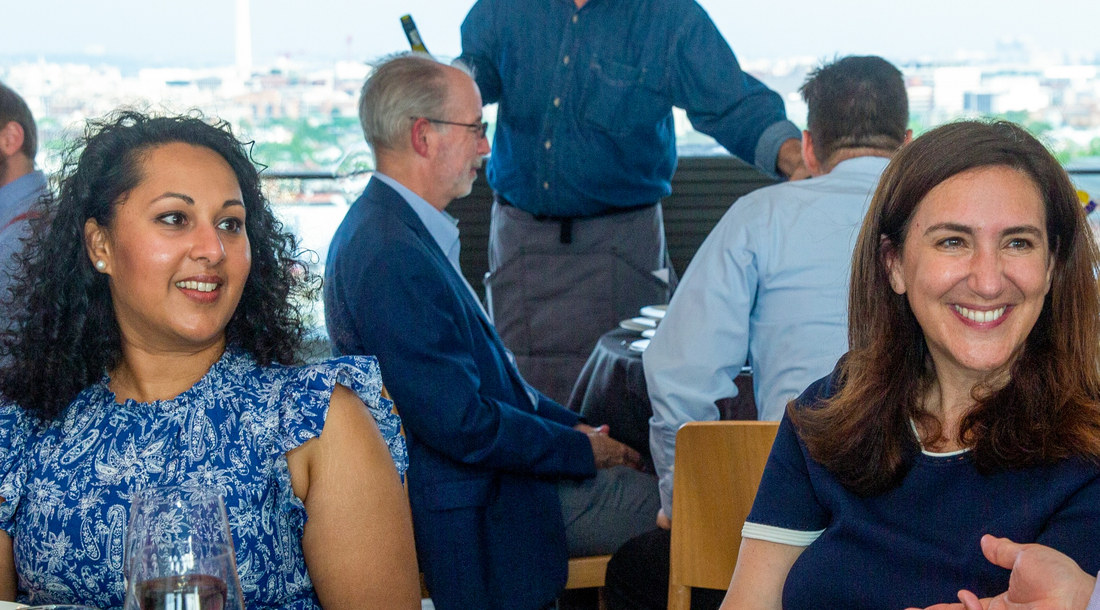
780, 535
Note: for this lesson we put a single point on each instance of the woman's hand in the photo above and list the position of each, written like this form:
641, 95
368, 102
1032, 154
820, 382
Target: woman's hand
1042, 579
358, 541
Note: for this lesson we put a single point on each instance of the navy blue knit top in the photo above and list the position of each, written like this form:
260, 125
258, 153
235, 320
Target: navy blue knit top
918, 543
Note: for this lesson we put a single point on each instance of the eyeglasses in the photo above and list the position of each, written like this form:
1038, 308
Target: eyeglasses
479, 129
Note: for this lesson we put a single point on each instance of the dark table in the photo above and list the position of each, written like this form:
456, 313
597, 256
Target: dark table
611, 390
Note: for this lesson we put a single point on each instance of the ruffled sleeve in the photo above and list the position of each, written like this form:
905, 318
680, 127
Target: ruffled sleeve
309, 390
15, 435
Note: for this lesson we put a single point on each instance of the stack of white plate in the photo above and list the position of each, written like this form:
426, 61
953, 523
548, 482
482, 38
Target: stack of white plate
646, 324
639, 345
639, 324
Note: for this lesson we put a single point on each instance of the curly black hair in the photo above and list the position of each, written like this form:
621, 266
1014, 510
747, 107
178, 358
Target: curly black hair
65, 335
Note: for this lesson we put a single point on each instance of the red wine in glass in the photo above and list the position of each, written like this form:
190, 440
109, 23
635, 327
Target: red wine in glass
184, 592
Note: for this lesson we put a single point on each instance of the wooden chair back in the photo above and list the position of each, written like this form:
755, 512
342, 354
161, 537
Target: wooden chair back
587, 572
718, 468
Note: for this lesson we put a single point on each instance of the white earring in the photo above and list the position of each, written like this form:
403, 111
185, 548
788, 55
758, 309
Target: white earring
101, 265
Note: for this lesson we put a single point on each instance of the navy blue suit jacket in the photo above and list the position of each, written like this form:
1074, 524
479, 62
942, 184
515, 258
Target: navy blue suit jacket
483, 461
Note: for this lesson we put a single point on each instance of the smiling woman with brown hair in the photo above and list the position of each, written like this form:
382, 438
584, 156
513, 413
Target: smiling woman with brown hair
156, 326
968, 403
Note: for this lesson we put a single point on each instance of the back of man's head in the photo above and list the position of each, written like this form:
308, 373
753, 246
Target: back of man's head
856, 102
13, 108
400, 89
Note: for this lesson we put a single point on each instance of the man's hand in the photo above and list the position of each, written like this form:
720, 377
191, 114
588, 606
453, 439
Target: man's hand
1042, 579
608, 451
604, 429
789, 161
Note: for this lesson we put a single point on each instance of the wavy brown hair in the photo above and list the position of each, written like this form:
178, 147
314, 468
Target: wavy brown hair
1050, 408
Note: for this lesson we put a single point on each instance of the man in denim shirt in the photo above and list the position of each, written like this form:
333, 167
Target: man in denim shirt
584, 150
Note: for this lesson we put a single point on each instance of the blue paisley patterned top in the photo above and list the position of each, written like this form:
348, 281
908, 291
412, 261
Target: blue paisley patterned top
68, 484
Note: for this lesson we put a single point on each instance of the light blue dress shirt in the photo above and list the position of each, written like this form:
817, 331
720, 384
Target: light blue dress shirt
17, 196
769, 284
16, 199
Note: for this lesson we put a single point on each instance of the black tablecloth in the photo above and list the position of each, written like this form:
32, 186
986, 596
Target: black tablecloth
611, 390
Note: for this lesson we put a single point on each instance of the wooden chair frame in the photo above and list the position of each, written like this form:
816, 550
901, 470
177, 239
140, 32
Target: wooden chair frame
717, 470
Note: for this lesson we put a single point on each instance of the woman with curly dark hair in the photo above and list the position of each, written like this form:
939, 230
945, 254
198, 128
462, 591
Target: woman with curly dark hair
968, 404
155, 329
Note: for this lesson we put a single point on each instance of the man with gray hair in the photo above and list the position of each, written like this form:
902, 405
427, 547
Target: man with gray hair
20, 184
504, 483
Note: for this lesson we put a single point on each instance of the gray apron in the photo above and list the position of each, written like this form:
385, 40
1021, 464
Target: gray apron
554, 288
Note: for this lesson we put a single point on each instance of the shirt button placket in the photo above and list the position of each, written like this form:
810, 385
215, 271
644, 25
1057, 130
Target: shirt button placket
557, 104
565, 62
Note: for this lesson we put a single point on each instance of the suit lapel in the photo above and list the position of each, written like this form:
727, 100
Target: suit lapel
384, 195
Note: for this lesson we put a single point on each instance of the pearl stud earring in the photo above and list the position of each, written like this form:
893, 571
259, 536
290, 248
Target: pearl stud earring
101, 265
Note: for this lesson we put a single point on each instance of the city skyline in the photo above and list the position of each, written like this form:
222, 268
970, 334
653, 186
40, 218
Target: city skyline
301, 110
141, 33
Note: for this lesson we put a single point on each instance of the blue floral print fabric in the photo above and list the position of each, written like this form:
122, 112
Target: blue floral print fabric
68, 483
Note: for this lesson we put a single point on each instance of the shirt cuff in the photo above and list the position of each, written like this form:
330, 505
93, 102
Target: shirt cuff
767, 147
664, 489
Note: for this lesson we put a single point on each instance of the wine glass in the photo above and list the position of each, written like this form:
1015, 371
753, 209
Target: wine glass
184, 575
163, 514
179, 549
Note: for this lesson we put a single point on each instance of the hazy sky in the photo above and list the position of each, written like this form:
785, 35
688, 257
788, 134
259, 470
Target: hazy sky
200, 32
